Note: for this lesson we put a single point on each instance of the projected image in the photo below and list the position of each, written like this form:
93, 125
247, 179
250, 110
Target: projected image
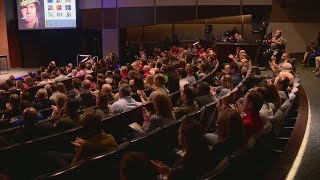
46, 14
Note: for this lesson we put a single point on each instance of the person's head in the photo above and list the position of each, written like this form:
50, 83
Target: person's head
42, 94
61, 71
252, 102
182, 73
203, 88
136, 165
61, 88
149, 79
188, 93
228, 82
284, 57
72, 106
29, 12
107, 88
54, 87
138, 83
190, 135
124, 90
278, 33
28, 81
45, 76
158, 80
86, 85
10, 83
124, 69
61, 100
30, 116
102, 100
163, 106
282, 83
230, 127
91, 122
14, 100
275, 98
88, 77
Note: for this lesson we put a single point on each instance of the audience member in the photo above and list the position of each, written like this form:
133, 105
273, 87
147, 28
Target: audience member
195, 160
188, 103
163, 113
203, 94
42, 101
31, 129
70, 117
126, 102
102, 102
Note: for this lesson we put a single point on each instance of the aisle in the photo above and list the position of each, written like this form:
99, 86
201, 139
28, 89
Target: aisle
309, 167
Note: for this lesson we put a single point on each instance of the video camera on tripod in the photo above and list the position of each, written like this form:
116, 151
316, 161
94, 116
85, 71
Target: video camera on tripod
262, 32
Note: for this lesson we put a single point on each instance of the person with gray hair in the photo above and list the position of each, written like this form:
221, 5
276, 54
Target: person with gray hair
42, 101
126, 102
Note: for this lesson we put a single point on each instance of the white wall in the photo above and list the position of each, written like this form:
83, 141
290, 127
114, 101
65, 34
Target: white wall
298, 35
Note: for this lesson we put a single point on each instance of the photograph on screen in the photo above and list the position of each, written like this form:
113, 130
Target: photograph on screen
46, 14
30, 14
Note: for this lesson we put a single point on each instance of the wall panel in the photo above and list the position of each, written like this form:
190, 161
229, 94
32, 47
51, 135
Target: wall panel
135, 3
167, 14
176, 3
89, 4
133, 17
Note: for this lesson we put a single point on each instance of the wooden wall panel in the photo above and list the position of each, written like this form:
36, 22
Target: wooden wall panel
90, 18
167, 14
134, 17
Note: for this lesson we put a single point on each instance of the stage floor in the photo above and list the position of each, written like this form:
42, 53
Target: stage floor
16, 72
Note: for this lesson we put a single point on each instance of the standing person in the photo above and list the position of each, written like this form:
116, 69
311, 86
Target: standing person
30, 14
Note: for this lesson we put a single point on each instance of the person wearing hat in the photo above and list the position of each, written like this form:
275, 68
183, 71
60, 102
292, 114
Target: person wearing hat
30, 14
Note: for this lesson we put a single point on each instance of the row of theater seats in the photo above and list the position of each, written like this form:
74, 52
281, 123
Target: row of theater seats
15, 158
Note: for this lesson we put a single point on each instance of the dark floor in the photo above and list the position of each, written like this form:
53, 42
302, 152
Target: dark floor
310, 163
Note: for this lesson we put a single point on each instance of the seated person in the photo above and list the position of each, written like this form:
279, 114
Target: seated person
31, 129
163, 113
229, 138
195, 161
158, 83
252, 104
70, 117
76, 87
107, 88
182, 75
189, 105
87, 98
203, 94
277, 46
96, 142
13, 107
282, 83
102, 102
126, 102
42, 101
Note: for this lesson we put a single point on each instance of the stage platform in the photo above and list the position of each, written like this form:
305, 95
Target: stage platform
16, 72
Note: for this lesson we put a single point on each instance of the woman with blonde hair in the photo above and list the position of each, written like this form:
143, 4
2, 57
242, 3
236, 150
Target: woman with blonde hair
163, 113
149, 81
57, 111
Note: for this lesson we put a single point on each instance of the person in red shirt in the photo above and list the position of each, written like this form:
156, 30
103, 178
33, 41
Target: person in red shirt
252, 121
